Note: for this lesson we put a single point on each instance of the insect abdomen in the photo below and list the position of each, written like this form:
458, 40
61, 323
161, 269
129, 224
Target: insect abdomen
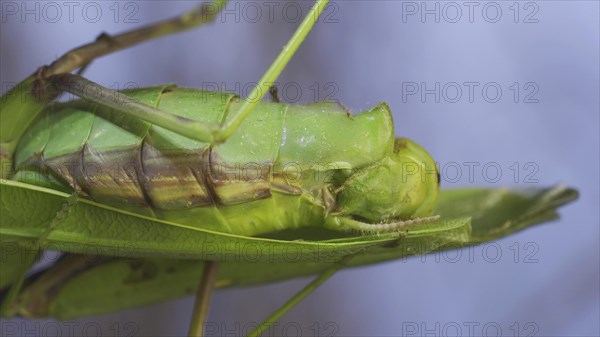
119, 160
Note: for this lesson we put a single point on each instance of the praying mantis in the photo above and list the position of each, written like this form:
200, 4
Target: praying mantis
183, 175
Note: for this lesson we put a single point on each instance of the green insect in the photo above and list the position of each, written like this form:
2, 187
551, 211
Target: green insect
165, 153
285, 167
203, 166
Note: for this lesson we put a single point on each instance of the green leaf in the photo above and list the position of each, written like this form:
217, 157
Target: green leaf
90, 228
82, 286
499, 212
14, 255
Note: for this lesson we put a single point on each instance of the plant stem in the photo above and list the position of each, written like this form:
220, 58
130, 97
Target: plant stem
205, 288
294, 300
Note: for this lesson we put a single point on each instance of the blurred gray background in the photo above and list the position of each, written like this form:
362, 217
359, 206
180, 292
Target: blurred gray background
542, 55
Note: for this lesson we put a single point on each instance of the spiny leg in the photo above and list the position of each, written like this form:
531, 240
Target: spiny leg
347, 223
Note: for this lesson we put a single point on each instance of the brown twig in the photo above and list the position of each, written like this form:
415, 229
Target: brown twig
77, 57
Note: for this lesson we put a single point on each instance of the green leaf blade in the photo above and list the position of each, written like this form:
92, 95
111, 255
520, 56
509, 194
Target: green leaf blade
468, 217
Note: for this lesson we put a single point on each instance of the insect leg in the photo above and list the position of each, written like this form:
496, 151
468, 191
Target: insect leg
202, 14
312, 286
347, 223
201, 131
101, 37
294, 300
262, 87
207, 284
86, 89
23, 103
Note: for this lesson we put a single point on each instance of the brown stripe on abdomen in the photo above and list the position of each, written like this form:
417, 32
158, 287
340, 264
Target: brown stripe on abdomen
104, 176
144, 176
236, 183
173, 180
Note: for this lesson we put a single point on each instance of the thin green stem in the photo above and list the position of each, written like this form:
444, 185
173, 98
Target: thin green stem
192, 129
255, 96
294, 300
203, 295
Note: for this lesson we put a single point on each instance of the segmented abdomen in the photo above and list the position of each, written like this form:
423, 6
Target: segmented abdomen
280, 148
